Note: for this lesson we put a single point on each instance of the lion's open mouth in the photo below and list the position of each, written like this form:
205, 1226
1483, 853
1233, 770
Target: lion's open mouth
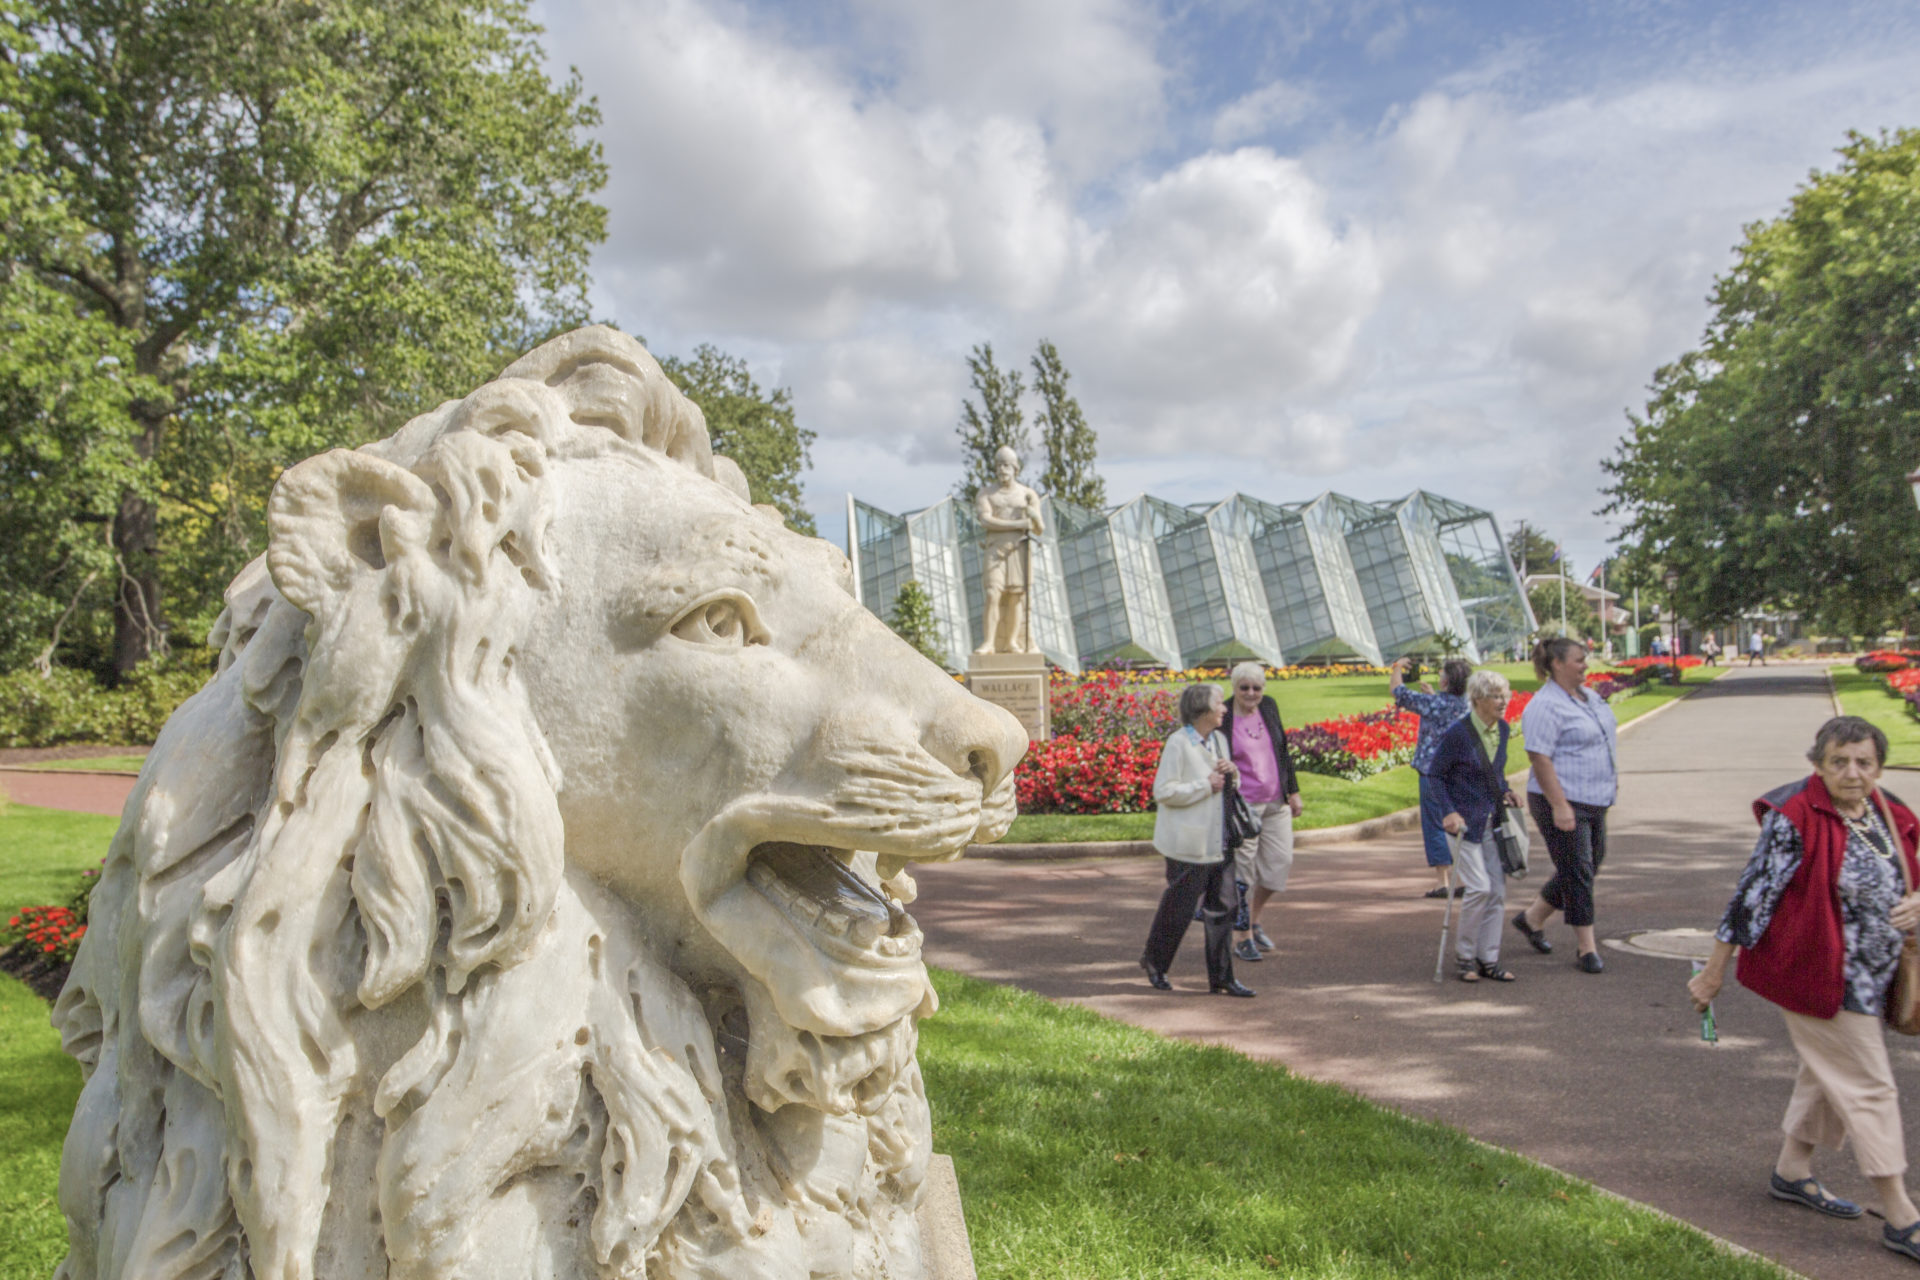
817, 888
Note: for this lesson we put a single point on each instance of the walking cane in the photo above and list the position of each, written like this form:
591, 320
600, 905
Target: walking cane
1446, 922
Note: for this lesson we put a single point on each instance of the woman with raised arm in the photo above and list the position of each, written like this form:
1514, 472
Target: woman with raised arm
1817, 920
1438, 712
1570, 734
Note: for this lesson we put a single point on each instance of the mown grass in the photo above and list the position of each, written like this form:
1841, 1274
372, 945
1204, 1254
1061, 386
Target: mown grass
90, 764
1088, 1148
1869, 698
42, 852
1335, 802
1085, 1148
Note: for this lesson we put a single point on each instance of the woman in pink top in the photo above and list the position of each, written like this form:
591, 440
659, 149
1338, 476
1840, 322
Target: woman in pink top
1267, 783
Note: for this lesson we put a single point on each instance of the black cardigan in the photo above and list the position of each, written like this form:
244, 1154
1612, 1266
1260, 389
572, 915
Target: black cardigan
1269, 712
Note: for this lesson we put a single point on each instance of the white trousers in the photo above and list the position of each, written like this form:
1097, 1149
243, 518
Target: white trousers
1478, 868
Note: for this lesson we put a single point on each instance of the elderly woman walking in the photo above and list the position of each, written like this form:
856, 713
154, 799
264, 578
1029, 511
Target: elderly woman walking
1188, 831
1270, 787
1438, 713
1570, 733
1817, 920
1469, 772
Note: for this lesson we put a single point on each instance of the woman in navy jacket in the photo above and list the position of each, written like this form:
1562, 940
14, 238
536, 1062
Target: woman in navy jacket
1468, 773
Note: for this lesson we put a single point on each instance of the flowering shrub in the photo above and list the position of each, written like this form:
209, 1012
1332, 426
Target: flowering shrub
1355, 747
1881, 661
1102, 706
1088, 775
1687, 661
1191, 675
1904, 682
45, 933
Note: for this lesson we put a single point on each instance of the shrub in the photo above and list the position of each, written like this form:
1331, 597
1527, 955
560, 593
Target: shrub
1088, 775
71, 706
50, 935
1102, 706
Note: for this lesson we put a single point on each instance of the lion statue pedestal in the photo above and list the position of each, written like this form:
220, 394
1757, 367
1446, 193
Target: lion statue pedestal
526, 894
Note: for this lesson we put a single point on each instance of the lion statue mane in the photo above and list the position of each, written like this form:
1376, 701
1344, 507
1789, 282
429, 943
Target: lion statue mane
525, 894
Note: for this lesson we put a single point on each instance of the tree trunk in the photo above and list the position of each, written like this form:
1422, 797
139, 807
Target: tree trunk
136, 606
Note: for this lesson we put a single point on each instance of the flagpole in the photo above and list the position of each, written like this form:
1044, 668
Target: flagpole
1606, 636
1561, 555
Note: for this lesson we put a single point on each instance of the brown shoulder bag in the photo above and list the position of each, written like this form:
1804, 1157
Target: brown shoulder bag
1903, 997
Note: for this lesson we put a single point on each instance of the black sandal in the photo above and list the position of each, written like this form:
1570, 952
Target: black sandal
1466, 969
1489, 969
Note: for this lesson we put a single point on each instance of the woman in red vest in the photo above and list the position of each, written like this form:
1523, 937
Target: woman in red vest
1817, 920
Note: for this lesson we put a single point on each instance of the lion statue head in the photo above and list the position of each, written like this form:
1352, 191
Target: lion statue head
525, 895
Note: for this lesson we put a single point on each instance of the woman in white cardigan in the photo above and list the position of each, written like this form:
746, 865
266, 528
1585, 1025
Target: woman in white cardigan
1195, 767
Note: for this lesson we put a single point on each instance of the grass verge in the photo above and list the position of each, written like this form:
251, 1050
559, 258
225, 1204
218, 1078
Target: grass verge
1869, 698
88, 764
1088, 1148
1334, 802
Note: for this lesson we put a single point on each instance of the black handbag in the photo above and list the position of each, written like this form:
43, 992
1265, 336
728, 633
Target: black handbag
1240, 822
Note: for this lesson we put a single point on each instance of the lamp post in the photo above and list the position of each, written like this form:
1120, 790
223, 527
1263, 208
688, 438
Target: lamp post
1673, 651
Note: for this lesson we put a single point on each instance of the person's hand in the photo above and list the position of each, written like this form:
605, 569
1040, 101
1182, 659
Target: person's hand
1906, 913
1563, 816
1426, 686
1216, 781
1296, 804
1704, 986
1510, 800
1454, 824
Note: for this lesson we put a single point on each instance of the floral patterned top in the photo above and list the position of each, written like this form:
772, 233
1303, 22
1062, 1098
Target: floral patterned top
1438, 713
1870, 885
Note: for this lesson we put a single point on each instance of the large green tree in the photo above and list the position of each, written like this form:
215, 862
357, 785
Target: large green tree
1069, 442
758, 431
996, 422
1531, 550
281, 227
1769, 465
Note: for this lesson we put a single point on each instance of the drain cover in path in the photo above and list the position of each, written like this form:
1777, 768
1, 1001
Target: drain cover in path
1667, 944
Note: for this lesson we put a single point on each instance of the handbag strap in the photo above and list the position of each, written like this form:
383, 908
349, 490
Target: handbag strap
1893, 834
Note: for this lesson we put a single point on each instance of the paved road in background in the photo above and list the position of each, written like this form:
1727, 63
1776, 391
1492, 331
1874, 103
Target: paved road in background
1603, 1076
80, 792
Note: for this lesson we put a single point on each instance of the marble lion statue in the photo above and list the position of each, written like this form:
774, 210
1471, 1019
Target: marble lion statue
525, 894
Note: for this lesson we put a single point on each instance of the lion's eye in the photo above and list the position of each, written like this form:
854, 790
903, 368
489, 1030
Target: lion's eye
727, 621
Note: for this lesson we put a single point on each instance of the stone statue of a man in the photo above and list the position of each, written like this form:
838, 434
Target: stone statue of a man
1009, 513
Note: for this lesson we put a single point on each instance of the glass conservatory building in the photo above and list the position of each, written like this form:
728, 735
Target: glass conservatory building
1154, 582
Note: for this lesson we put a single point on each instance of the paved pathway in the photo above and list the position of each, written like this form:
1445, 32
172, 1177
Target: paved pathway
81, 792
1602, 1076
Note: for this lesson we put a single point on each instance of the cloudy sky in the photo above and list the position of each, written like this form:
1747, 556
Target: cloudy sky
1365, 245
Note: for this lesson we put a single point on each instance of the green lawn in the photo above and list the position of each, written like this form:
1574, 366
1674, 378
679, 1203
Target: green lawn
1088, 1148
42, 852
1868, 697
1085, 1148
104, 764
1334, 802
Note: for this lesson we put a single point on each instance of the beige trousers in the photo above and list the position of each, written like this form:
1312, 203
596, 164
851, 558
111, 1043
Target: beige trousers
1845, 1090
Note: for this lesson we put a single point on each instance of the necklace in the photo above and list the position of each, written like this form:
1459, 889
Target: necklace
1867, 827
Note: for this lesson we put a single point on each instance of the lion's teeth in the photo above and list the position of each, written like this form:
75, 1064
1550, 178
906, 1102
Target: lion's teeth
761, 876
865, 930
806, 907
835, 921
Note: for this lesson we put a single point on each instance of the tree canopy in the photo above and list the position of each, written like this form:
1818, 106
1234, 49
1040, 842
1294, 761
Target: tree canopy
913, 621
237, 234
996, 422
1532, 551
758, 431
1070, 443
1769, 466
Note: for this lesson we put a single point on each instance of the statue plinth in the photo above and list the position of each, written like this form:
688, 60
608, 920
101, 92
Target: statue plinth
1015, 682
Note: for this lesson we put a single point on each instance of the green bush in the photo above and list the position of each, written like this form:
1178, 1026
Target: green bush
71, 706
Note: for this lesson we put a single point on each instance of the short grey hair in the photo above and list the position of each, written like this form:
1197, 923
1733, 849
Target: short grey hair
1254, 669
1487, 684
1195, 699
1844, 731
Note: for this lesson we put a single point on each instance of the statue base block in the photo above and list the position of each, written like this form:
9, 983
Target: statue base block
945, 1250
1016, 682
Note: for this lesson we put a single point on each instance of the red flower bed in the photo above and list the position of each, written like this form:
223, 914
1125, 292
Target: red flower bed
1686, 660
1088, 775
1907, 681
1881, 661
50, 932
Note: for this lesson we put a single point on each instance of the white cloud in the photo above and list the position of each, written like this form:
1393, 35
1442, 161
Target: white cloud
1274, 105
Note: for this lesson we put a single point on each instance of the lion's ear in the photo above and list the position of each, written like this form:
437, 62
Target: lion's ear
328, 521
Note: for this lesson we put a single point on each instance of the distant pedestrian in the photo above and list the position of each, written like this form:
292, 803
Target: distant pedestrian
1817, 920
1268, 784
1438, 713
1469, 772
1195, 766
1757, 648
1710, 650
1570, 733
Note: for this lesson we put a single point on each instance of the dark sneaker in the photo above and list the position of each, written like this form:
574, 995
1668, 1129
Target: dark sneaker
1590, 962
1261, 940
1245, 950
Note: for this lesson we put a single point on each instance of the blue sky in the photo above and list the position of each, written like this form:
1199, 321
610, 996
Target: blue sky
1366, 246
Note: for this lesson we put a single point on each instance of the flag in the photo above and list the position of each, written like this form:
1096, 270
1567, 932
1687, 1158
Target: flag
1599, 571
1555, 557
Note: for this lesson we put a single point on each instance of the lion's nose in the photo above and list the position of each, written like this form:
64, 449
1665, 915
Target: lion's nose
971, 735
